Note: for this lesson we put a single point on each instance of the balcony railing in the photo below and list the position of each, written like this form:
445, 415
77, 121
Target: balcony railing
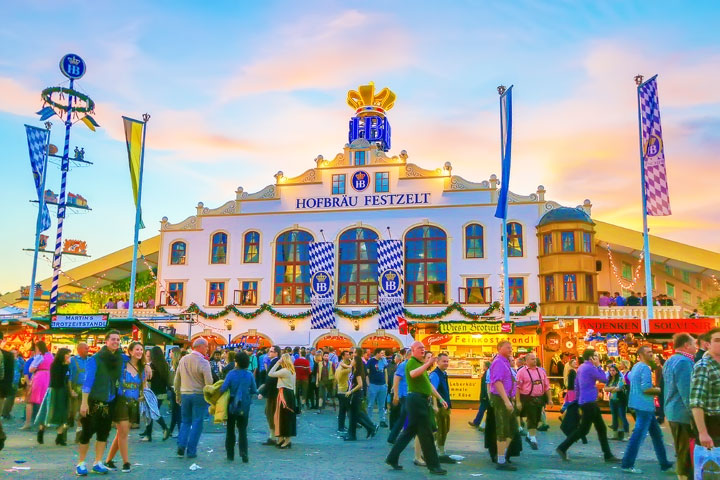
474, 295
641, 312
123, 312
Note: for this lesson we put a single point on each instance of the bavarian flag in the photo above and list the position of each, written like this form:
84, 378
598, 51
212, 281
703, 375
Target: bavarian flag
135, 138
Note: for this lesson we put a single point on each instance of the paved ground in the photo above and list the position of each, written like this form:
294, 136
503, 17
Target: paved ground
318, 453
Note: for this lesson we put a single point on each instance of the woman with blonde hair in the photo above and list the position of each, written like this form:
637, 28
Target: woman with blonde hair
285, 420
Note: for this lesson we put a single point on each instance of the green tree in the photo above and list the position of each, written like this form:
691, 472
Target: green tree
711, 306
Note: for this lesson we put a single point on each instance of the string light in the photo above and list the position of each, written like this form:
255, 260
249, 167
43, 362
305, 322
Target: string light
622, 281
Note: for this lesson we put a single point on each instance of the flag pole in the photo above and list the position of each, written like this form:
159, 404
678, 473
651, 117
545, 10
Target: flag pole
506, 280
38, 225
138, 220
646, 237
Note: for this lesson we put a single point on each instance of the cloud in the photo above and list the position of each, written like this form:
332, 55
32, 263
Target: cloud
320, 51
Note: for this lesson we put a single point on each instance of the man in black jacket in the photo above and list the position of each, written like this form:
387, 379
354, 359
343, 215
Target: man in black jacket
269, 391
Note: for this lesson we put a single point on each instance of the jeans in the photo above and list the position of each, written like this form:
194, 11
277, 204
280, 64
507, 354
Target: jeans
240, 422
645, 423
618, 410
192, 412
376, 396
591, 415
480, 413
419, 424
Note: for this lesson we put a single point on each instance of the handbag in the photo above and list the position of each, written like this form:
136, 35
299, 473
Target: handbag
707, 463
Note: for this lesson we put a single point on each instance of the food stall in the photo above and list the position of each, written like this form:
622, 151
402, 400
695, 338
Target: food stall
469, 344
69, 330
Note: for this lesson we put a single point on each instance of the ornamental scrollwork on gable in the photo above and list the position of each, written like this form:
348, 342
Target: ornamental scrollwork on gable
190, 223
338, 161
459, 183
308, 176
225, 209
267, 193
413, 171
517, 198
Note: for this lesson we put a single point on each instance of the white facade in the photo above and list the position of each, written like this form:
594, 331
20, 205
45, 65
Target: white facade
435, 197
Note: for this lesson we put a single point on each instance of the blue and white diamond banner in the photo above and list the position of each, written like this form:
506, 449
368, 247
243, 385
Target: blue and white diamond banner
322, 286
37, 143
390, 284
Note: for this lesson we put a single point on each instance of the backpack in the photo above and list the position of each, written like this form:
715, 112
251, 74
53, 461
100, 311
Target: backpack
6, 384
235, 406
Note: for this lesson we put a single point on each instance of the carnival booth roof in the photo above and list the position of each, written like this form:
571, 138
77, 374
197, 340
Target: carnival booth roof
564, 214
121, 324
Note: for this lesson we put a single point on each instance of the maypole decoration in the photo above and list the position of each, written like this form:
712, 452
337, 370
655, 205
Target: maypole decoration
73, 67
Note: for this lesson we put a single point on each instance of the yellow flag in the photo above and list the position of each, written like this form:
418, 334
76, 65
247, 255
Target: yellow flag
134, 138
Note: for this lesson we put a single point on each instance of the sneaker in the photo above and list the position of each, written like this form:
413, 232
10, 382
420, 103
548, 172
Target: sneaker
111, 465
632, 470
543, 428
394, 466
438, 471
145, 439
506, 467
612, 459
126, 468
667, 467
100, 468
472, 425
81, 470
532, 444
181, 452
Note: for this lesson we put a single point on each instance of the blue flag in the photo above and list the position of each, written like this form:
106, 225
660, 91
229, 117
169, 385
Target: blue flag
505, 145
37, 143
46, 113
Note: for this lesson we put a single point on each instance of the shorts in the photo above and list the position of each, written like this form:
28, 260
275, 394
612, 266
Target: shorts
127, 410
505, 422
98, 421
532, 409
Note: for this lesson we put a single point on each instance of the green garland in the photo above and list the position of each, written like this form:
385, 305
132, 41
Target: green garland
265, 307
46, 96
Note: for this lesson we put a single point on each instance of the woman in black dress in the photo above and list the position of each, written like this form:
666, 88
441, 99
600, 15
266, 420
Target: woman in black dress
159, 384
54, 411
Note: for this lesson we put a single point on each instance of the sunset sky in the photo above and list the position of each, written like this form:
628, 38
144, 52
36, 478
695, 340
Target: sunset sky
240, 90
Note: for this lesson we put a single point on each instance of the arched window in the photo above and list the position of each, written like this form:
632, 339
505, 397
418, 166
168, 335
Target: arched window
218, 252
292, 268
474, 241
177, 253
358, 278
515, 239
426, 265
251, 253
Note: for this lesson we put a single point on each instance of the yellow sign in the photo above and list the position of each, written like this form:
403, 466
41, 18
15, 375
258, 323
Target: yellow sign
467, 389
475, 327
477, 340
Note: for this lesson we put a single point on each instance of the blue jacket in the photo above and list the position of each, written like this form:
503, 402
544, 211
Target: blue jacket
676, 373
241, 384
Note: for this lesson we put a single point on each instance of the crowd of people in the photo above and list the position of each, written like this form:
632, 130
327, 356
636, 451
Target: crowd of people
122, 303
406, 392
634, 299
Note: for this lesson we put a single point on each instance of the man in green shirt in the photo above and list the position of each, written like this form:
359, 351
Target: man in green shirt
419, 409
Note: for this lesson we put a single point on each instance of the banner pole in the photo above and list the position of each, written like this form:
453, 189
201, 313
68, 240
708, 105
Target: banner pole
646, 239
38, 225
138, 220
65, 167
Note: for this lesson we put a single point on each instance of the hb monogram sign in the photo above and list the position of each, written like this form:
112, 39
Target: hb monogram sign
390, 266
322, 268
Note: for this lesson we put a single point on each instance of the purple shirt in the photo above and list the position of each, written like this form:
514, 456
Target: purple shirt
604, 301
500, 371
587, 376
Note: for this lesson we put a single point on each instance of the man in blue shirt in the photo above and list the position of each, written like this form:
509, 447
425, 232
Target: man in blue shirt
642, 399
399, 393
677, 373
619, 300
377, 388
99, 390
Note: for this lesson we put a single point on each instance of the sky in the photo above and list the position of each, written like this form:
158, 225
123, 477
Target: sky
240, 90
